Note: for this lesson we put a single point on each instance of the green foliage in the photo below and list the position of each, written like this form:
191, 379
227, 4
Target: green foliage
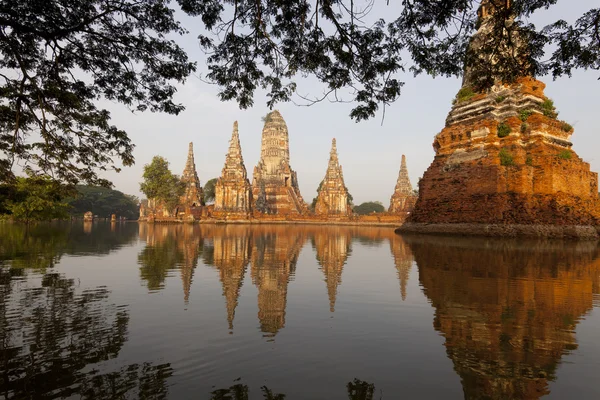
565, 155
548, 108
566, 127
103, 202
525, 114
37, 198
350, 199
161, 184
209, 190
59, 57
524, 127
506, 158
313, 204
500, 99
464, 94
503, 130
369, 207
529, 161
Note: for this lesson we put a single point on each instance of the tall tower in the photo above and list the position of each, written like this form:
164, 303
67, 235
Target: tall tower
333, 197
193, 195
403, 200
232, 190
273, 172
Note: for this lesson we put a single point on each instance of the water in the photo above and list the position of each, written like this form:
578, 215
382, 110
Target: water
294, 312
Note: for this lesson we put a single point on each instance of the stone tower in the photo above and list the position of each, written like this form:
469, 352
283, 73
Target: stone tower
333, 197
233, 192
282, 194
505, 158
403, 200
193, 196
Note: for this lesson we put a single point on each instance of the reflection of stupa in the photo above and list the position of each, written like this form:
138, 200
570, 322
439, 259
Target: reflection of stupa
508, 313
274, 256
231, 257
403, 260
333, 248
189, 243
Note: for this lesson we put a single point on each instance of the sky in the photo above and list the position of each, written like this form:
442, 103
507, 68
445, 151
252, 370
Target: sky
369, 151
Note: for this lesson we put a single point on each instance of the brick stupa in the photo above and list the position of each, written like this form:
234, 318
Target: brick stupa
275, 185
193, 195
333, 195
233, 193
403, 200
504, 164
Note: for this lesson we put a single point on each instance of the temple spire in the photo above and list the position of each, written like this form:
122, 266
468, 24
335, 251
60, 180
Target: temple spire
193, 195
333, 195
403, 184
404, 198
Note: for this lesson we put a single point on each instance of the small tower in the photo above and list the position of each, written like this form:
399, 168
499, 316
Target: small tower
333, 196
193, 196
403, 200
233, 192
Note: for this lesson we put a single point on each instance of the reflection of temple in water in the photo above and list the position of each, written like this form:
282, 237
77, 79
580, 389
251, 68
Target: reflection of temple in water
167, 248
333, 248
274, 256
231, 257
403, 260
508, 313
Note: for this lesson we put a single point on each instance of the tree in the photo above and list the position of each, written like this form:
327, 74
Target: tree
268, 43
160, 184
37, 198
103, 202
369, 207
58, 57
209, 190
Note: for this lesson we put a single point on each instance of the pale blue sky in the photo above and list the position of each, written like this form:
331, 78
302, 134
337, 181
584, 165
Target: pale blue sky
369, 152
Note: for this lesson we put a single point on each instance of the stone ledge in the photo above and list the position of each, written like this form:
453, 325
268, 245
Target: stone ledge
581, 232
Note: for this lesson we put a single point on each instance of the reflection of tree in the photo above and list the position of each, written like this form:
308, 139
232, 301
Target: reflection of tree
360, 390
507, 309
167, 248
42, 245
333, 249
51, 333
357, 390
36, 247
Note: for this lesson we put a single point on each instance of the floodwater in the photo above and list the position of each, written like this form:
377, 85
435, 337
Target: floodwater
106, 311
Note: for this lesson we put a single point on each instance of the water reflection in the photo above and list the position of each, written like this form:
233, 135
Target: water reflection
168, 248
507, 309
50, 333
333, 248
274, 256
356, 390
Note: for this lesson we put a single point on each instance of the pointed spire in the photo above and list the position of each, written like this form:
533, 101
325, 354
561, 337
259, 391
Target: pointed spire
403, 184
235, 148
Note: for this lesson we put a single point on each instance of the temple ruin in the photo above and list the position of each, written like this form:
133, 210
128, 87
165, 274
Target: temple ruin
404, 198
504, 158
193, 195
275, 185
333, 196
233, 193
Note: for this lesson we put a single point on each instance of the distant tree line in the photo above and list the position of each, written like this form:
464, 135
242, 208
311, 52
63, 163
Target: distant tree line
40, 198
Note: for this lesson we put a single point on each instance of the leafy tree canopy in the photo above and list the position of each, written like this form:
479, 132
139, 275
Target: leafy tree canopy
369, 207
209, 190
161, 184
59, 57
103, 202
36, 198
345, 45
